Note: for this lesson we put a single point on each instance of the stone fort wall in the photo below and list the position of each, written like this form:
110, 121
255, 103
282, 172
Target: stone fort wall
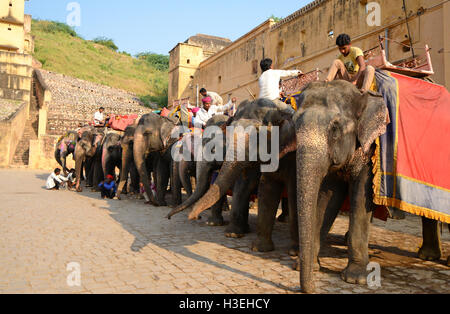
303, 41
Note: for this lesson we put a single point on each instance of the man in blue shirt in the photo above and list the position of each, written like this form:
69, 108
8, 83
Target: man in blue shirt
108, 188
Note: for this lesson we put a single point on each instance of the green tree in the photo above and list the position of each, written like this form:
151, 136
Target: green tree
107, 42
276, 19
159, 62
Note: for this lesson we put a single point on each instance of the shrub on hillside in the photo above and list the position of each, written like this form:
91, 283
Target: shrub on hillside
159, 62
107, 42
58, 27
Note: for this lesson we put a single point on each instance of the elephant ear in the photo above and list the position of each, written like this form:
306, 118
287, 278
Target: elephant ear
373, 119
166, 134
288, 138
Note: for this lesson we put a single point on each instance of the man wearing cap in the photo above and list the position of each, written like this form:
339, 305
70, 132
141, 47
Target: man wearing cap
216, 100
108, 188
208, 111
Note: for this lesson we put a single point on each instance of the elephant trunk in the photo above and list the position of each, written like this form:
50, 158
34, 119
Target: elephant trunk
139, 149
78, 169
105, 157
204, 170
228, 174
125, 169
311, 169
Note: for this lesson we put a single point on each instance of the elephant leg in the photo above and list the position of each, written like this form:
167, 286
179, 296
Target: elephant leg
431, 248
268, 200
134, 176
176, 184
293, 217
216, 218
336, 193
242, 191
89, 173
284, 217
361, 213
185, 177
98, 175
162, 179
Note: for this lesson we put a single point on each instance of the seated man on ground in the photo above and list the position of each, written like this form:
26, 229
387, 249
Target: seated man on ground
108, 187
351, 65
269, 83
71, 179
55, 180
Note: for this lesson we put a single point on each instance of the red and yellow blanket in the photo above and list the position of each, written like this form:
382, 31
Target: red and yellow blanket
412, 161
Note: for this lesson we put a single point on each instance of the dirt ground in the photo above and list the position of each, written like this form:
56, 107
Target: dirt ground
128, 247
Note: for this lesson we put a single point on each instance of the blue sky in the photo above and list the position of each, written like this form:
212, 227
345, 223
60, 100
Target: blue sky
151, 25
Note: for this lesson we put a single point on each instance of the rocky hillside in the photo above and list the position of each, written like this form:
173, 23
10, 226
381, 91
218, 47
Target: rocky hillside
75, 101
61, 50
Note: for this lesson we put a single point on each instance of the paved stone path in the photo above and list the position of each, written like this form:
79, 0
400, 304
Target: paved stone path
128, 247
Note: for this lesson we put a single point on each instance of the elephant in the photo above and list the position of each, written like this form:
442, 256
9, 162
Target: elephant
128, 167
65, 146
336, 128
184, 169
88, 151
245, 174
153, 134
111, 154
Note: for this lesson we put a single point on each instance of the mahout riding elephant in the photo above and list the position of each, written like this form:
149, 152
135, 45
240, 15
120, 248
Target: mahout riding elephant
336, 128
65, 147
128, 167
245, 174
153, 134
88, 151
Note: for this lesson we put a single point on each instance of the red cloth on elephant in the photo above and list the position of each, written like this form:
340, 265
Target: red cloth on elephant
120, 123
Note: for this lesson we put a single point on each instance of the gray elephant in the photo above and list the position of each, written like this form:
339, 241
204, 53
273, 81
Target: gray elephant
128, 167
184, 170
88, 151
65, 147
154, 135
111, 154
244, 175
336, 127
204, 173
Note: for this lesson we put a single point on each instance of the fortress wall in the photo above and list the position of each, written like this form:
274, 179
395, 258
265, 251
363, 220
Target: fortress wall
302, 41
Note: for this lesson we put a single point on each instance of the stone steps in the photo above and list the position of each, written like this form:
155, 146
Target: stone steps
22, 153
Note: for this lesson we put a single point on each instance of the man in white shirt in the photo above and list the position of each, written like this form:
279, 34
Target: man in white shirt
55, 180
208, 111
99, 118
216, 100
269, 83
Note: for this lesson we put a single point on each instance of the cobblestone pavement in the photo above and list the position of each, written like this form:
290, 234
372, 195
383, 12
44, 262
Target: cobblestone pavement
128, 247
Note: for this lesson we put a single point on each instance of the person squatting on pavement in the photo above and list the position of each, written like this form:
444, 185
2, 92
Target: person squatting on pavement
108, 188
55, 180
